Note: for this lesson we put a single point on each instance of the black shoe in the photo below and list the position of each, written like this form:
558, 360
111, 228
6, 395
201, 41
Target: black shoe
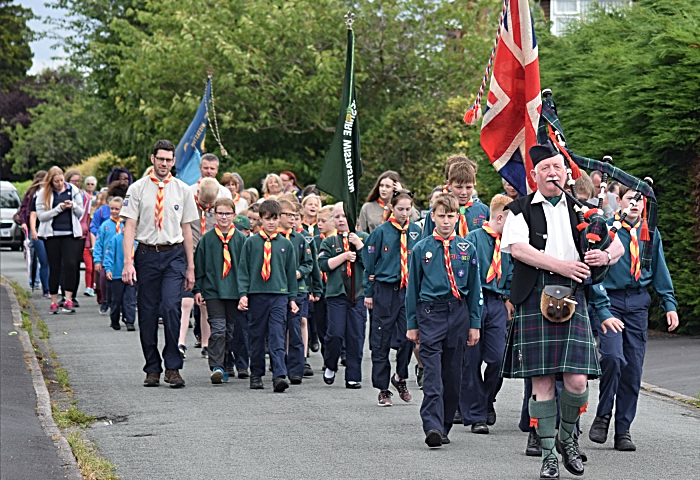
116, 326
353, 385
256, 383
75, 302
480, 428
152, 379
183, 351
279, 384
230, 371
599, 429
343, 361
491, 416
295, 380
205, 352
308, 371
197, 341
130, 327
458, 418
584, 457
550, 469
534, 445
624, 442
328, 381
314, 345
445, 440
243, 374
433, 439
570, 457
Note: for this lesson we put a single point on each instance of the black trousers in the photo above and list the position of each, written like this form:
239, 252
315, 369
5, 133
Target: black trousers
63, 259
222, 320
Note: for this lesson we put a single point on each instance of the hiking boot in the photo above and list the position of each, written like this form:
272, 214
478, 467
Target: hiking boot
385, 398
152, 379
401, 388
173, 377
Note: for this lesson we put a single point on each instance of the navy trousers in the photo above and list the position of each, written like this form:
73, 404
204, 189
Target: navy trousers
268, 314
123, 301
346, 321
161, 277
622, 356
388, 316
295, 346
238, 347
479, 392
222, 315
443, 328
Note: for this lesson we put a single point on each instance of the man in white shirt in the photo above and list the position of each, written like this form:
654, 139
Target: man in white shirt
209, 168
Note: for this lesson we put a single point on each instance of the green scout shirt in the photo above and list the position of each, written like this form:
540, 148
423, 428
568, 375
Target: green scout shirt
381, 256
428, 280
476, 215
485, 244
283, 271
313, 280
317, 242
304, 260
338, 278
209, 266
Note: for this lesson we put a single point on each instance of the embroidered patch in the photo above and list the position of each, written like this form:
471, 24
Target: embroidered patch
106, 227
322, 254
309, 240
474, 261
453, 256
463, 246
370, 248
282, 249
482, 216
386, 248
464, 258
426, 260
125, 202
177, 207
460, 273
481, 302
410, 252
413, 235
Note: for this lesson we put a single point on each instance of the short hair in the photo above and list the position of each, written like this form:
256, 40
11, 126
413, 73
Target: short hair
326, 211
209, 157
229, 178
462, 172
458, 158
498, 203
623, 190
119, 200
208, 190
596, 173
224, 202
311, 196
87, 179
447, 201
166, 145
584, 184
286, 204
270, 208
290, 197
70, 173
255, 208
299, 208
310, 189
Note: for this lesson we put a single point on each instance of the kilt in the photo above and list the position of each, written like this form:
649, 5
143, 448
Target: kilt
537, 347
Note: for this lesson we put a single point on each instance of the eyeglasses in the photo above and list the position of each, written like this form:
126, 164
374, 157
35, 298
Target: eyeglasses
224, 214
90, 185
161, 159
291, 215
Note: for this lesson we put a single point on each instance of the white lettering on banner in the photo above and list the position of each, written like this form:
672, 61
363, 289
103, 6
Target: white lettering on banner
347, 145
350, 120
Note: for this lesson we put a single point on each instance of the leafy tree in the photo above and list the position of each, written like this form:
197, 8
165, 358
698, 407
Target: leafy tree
15, 35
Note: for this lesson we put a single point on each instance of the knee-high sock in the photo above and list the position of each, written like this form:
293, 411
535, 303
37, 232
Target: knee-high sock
543, 416
572, 406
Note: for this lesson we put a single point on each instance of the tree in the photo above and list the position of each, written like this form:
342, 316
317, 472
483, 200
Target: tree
15, 35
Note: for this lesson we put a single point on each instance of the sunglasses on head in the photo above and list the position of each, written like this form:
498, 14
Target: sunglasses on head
399, 192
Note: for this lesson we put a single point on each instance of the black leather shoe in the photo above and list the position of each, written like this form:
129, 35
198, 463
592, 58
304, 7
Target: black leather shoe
256, 383
314, 345
458, 420
353, 385
328, 381
445, 440
624, 442
480, 428
570, 457
584, 457
130, 327
534, 446
433, 439
279, 384
243, 374
295, 380
308, 371
491, 416
550, 469
599, 429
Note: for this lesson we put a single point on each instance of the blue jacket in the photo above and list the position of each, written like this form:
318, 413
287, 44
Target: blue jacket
100, 216
106, 232
476, 215
485, 244
114, 256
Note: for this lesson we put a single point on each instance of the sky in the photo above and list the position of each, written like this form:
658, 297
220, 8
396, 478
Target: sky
44, 55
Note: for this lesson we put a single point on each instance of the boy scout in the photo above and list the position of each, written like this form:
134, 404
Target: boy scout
326, 228
443, 309
158, 210
267, 283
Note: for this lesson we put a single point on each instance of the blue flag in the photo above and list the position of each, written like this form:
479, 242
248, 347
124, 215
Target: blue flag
189, 150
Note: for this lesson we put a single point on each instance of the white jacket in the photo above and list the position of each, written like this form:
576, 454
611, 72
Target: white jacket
45, 213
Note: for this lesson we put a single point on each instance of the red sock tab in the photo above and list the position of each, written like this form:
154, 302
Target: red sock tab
534, 421
583, 409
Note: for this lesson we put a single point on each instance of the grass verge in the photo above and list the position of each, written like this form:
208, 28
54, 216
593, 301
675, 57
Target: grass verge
91, 464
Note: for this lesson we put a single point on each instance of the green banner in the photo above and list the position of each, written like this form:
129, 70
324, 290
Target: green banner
342, 168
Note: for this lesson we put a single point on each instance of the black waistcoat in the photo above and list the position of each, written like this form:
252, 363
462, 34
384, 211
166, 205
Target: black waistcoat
524, 275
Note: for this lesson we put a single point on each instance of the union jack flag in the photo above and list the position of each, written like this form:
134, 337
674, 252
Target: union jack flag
513, 107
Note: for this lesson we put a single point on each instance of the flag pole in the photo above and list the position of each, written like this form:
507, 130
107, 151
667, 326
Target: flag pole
349, 20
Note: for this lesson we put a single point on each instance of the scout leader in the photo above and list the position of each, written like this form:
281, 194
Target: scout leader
386, 258
304, 263
267, 283
472, 213
346, 316
443, 309
625, 309
216, 282
479, 392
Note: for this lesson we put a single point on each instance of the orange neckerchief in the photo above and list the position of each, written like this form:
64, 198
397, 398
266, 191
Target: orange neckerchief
448, 263
159, 198
495, 268
236, 198
346, 248
119, 224
267, 254
381, 202
284, 232
224, 240
636, 266
463, 228
404, 249
310, 227
203, 222
324, 275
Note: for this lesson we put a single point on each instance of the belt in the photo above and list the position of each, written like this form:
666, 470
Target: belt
159, 248
628, 291
491, 293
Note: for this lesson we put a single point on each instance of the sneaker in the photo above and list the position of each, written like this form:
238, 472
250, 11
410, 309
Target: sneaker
104, 308
308, 371
197, 341
47, 295
68, 307
89, 292
419, 377
152, 379
53, 309
182, 349
385, 398
173, 377
205, 352
401, 388
217, 375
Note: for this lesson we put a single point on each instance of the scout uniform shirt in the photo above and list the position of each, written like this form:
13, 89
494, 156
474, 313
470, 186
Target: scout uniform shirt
372, 213
619, 276
209, 222
209, 266
313, 279
178, 208
283, 268
485, 244
381, 256
475, 215
428, 280
304, 260
338, 280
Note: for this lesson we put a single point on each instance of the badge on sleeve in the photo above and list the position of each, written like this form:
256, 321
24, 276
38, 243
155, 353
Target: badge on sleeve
126, 202
370, 248
177, 207
301, 245
322, 254
282, 249
474, 261
386, 248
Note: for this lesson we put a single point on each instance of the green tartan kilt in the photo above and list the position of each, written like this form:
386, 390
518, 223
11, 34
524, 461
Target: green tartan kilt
537, 347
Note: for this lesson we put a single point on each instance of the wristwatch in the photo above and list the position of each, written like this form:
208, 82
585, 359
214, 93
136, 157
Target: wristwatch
609, 257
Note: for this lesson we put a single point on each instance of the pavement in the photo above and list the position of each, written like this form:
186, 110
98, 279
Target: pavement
316, 431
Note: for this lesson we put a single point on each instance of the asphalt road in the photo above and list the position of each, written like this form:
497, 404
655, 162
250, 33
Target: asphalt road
313, 430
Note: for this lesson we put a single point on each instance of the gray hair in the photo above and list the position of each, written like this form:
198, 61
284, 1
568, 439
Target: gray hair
210, 157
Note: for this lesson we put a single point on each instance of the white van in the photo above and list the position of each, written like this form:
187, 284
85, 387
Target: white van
10, 233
